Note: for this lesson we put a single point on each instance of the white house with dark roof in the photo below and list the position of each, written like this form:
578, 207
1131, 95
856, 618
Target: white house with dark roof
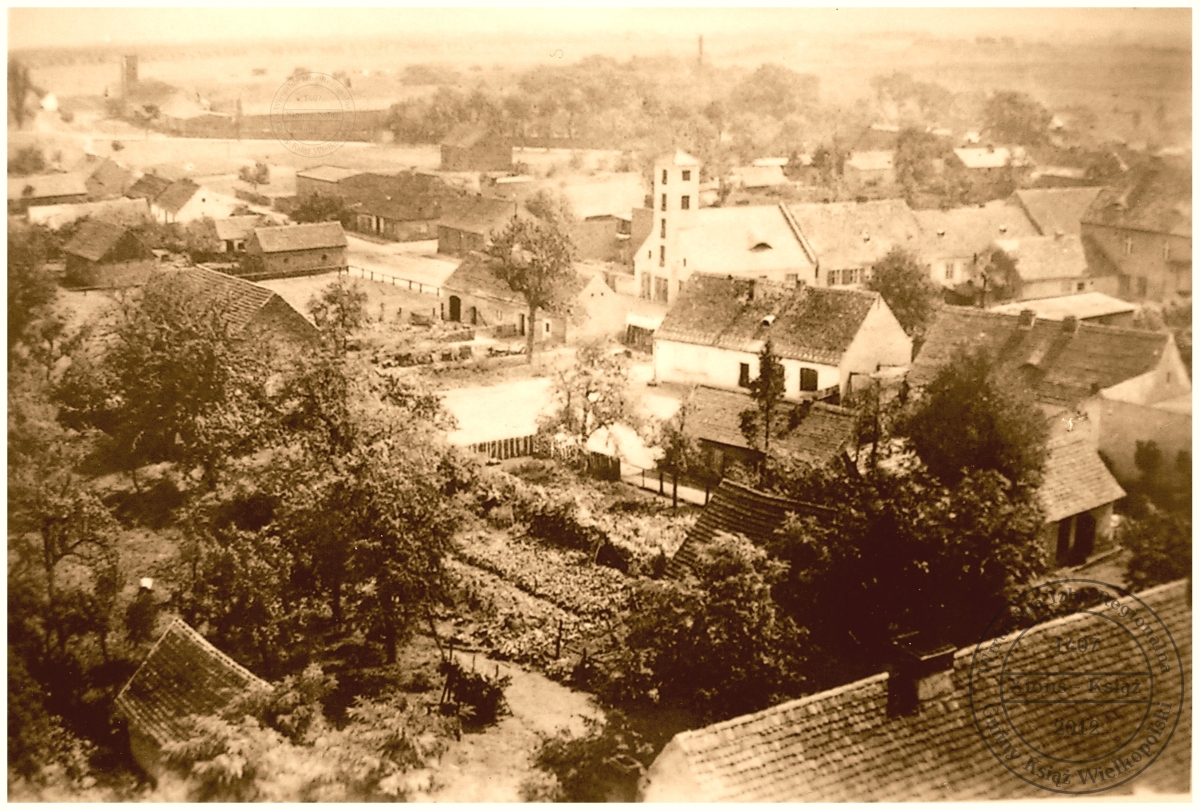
746, 241
714, 332
184, 201
913, 734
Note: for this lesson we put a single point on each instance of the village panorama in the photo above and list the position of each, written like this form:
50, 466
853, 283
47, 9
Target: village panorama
633, 405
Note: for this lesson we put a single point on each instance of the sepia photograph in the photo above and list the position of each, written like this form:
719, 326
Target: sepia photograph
599, 405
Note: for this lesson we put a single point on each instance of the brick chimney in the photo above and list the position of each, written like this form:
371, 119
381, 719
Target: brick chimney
1026, 318
922, 669
1070, 325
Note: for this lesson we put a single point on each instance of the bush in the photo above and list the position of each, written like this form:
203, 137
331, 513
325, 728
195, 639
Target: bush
477, 698
1161, 546
602, 765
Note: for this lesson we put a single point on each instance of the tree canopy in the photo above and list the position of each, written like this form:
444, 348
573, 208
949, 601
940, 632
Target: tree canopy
1017, 118
905, 285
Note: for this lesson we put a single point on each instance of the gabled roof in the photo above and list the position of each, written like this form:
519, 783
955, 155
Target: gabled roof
109, 178
328, 174
1155, 198
1082, 306
480, 215
969, 230
38, 186
123, 211
842, 744
183, 675
1056, 209
234, 228
404, 197
746, 240
309, 236
94, 239
148, 186
677, 158
1074, 479
824, 432
1041, 258
474, 277
240, 299
874, 160
465, 136
983, 158
1063, 367
854, 234
816, 324
736, 509
176, 196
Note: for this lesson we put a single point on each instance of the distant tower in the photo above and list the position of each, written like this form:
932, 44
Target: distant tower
675, 202
129, 75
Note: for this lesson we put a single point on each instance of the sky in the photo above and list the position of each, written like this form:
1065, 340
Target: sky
42, 27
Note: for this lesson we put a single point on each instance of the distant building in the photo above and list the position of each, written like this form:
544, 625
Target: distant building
1086, 307
102, 254
148, 187
405, 207
475, 148
295, 250
1054, 210
468, 223
956, 242
234, 232
104, 178
1048, 266
1140, 232
713, 333
46, 189
321, 180
758, 177
848, 238
184, 201
603, 238
873, 169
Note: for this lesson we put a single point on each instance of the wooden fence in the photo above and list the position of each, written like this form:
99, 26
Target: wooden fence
504, 449
396, 281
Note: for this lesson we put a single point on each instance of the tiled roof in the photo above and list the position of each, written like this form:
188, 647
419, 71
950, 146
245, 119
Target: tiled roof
110, 179
983, 158
182, 676
1056, 209
94, 239
1074, 479
841, 745
1067, 365
966, 231
60, 184
148, 186
480, 215
328, 174
824, 432
474, 277
816, 324
1155, 198
309, 236
854, 234
1082, 306
747, 240
240, 299
176, 196
404, 197
871, 161
1040, 258
736, 509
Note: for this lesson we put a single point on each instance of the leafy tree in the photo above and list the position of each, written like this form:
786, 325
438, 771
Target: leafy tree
29, 160
716, 645
969, 417
766, 390
916, 150
321, 208
891, 552
1013, 117
775, 91
908, 291
1161, 548
535, 259
20, 85
257, 175
31, 289
592, 394
550, 206
680, 450
339, 310
588, 768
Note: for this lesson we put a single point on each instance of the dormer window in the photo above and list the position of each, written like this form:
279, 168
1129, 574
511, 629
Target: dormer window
760, 247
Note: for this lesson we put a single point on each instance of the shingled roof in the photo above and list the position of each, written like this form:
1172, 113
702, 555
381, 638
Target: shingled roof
241, 299
480, 215
970, 229
1074, 479
94, 239
183, 675
814, 324
842, 745
309, 236
736, 509
1155, 198
1063, 366
824, 432
148, 186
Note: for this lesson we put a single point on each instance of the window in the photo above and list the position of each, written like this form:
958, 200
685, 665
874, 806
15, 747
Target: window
949, 271
664, 177
808, 379
685, 202
664, 202
662, 255
661, 289
546, 327
646, 286
1128, 245
324, 257
1079, 287
662, 232
687, 175
744, 375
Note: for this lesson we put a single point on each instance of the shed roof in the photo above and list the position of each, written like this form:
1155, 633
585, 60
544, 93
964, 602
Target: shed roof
184, 675
842, 744
94, 239
857, 234
475, 277
1042, 258
736, 509
1064, 366
111, 178
327, 174
309, 236
1074, 479
240, 298
1083, 306
480, 215
404, 197
816, 324
148, 186
1056, 209
38, 186
759, 176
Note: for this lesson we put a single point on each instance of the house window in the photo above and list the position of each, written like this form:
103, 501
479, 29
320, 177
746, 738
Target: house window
808, 379
546, 327
664, 177
949, 271
662, 255
324, 257
744, 375
661, 289
664, 202
687, 175
1079, 287
662, 232
685, 202
1128, 245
